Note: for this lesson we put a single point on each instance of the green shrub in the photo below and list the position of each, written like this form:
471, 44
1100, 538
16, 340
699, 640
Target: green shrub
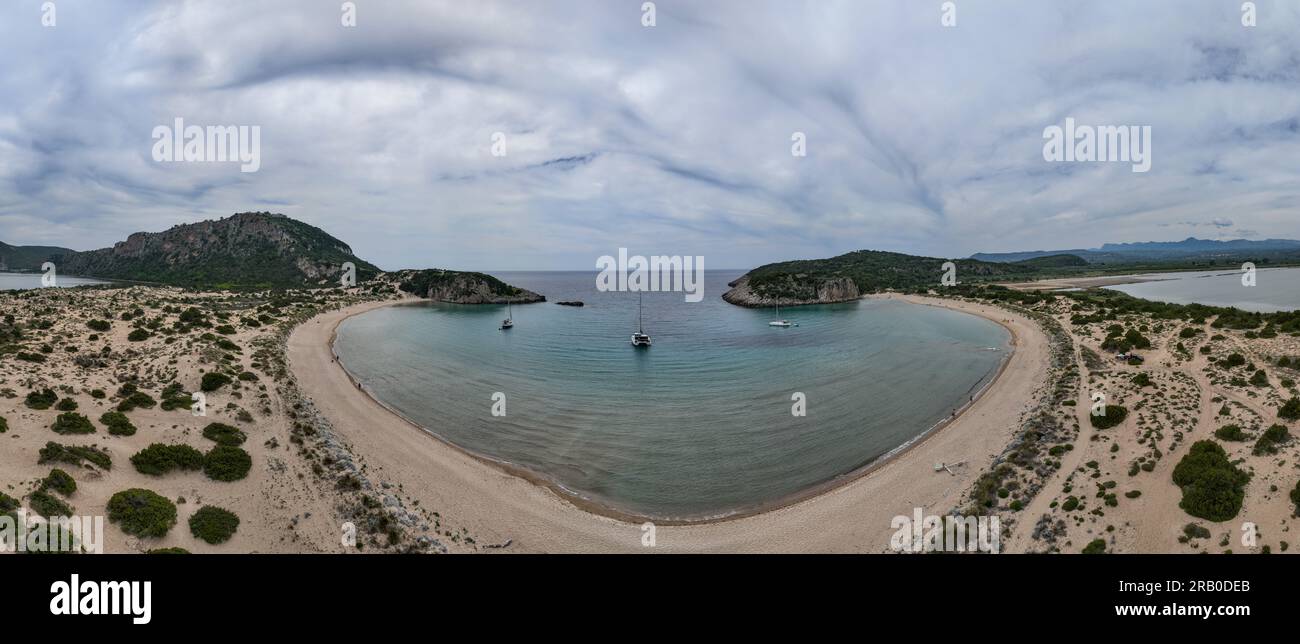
1295, 498
4, 425
74, 455
175, 397
1272, 437
142, 513
1142, 380
99, 325
224, 434
167, 551
158, 459
138, 335
117, 423
1115, 414
1230, 433
1213, 488
214, 380
1194, 531
67, 404
1290, 410
47, 505
213, 525
1260, 379
1095, 547
226, 463
42, 399
72, 423
136, 399
60, 482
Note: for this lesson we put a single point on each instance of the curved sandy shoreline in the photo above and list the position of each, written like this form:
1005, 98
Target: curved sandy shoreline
849, 513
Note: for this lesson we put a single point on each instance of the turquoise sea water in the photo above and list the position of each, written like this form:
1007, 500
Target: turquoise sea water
700, 424
1275, 289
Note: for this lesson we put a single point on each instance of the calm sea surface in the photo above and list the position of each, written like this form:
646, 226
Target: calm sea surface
17, 281
1276, 289
700, 424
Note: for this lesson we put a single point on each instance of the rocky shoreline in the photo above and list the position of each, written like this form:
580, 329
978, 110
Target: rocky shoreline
840, 289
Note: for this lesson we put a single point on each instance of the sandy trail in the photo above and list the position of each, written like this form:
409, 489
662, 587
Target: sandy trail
497, 506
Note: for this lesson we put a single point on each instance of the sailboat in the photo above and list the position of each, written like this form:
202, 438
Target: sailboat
639, 339
509, 322
778, 321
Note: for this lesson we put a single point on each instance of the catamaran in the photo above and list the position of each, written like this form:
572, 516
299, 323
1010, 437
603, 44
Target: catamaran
509, 322
778, 321
639, 339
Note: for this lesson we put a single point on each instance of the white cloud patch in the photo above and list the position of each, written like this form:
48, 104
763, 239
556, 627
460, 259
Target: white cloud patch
673, 139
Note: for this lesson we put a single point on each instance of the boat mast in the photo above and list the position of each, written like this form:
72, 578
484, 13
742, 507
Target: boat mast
638, 312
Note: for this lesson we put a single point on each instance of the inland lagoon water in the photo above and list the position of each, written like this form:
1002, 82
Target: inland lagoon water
21, 281
1275, 289
697, 426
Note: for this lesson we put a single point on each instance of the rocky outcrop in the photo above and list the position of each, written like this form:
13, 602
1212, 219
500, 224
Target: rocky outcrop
465, 289
459, 287
827, 291
250, 249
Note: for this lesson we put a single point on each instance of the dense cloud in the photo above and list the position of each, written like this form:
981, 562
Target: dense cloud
672, 139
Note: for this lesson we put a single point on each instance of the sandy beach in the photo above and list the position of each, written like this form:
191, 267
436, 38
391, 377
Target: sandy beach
500, 507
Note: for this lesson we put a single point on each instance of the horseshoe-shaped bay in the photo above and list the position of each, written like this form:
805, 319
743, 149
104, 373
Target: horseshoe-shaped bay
697, 426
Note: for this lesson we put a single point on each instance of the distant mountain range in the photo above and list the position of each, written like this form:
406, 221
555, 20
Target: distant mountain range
1190, 249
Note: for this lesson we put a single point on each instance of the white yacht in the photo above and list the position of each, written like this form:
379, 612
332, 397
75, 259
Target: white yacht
778, 321
640, 338
509, 322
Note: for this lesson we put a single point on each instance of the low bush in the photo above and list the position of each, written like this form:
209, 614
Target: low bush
226, 463
47, 505
1230, 433
142, 513
1272, 437
74, 455
224, 434
43, 399
213, 525
72, 423
60, 482
1213, 488
214, 380
137, 399
158, 459
1115, 414
117, 423
1290, 410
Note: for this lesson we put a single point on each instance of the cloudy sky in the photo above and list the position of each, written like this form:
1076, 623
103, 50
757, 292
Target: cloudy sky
673, 139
